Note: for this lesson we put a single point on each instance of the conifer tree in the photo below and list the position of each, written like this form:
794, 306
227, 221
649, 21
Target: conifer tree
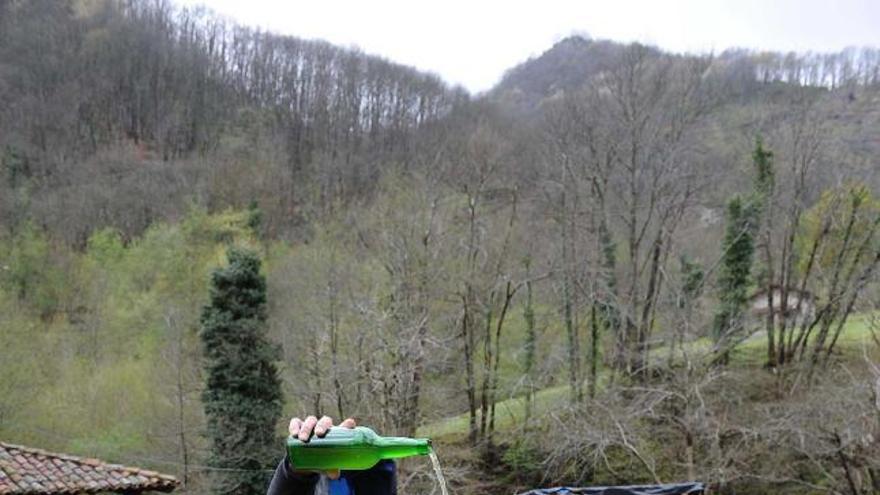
736, 266
242, 396
743, 219
765, 176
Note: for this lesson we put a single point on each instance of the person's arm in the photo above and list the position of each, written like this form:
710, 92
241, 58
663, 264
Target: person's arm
381, 479
286, 481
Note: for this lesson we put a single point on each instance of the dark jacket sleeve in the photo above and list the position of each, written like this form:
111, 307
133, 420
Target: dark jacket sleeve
287, 482
381, 479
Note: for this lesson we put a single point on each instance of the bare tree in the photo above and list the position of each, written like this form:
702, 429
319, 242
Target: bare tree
627, 142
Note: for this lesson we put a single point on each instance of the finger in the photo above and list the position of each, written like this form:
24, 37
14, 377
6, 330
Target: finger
348, 423
295, 425
324, 424
305, 432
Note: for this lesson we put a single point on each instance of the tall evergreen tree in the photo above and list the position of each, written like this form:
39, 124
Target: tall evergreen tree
765, 176
743, 219
764, 185
242, 397
734, 278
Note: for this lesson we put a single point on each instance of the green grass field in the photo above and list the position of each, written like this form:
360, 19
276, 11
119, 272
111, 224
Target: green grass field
855, 340
509, 414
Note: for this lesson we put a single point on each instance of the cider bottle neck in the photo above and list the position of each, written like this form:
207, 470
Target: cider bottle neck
419, 445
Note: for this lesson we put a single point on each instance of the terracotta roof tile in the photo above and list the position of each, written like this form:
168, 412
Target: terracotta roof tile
25, 470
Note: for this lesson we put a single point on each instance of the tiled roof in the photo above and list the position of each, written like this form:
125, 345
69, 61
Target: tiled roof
25, 470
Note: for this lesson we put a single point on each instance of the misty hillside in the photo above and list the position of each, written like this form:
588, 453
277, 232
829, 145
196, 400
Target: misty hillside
566, 66
620, 265
573, 61
744, 85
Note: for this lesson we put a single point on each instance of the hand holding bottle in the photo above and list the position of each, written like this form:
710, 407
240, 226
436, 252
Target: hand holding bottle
304, 429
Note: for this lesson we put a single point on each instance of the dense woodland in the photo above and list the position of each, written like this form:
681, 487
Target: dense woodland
556, 279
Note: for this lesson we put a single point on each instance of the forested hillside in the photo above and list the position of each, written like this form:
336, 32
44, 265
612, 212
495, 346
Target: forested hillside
101, 98
561, 279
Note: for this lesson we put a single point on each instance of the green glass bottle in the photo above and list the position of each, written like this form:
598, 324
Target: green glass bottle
351, 449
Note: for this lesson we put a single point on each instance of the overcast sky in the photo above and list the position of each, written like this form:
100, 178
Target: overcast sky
472, 42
